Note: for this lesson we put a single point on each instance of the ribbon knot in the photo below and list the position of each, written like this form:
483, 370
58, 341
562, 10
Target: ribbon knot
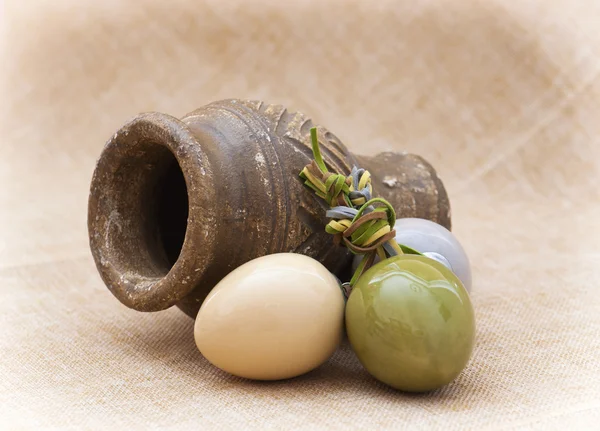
365, 225
331, 187
360, 189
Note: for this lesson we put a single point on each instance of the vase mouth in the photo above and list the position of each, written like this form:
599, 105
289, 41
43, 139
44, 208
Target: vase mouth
150, 182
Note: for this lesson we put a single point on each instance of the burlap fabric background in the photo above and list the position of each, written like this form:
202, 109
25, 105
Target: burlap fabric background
501, 96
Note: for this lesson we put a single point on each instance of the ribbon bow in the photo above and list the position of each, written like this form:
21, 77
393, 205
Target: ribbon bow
365, 225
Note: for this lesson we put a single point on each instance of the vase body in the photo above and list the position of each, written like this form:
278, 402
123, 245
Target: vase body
177, 204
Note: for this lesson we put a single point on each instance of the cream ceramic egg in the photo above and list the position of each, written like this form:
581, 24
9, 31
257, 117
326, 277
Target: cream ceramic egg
275, 317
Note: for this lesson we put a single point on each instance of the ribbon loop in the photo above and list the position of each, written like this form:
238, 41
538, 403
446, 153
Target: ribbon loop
365, 225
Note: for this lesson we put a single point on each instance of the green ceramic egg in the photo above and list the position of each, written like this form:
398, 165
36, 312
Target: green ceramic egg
410, 322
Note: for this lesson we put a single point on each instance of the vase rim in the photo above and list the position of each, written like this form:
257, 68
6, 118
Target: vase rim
125, 234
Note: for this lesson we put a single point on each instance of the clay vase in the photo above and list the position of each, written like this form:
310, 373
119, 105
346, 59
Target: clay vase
175, 205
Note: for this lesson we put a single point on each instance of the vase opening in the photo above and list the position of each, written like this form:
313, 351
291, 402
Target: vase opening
172, 209
148, 220
152, 177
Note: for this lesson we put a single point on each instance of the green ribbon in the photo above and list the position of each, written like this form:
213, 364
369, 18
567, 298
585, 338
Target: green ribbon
363, 224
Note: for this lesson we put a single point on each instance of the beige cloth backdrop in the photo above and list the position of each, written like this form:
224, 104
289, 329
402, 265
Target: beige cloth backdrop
501, 96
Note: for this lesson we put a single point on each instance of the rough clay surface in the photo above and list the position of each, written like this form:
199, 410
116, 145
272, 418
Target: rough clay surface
240, 161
